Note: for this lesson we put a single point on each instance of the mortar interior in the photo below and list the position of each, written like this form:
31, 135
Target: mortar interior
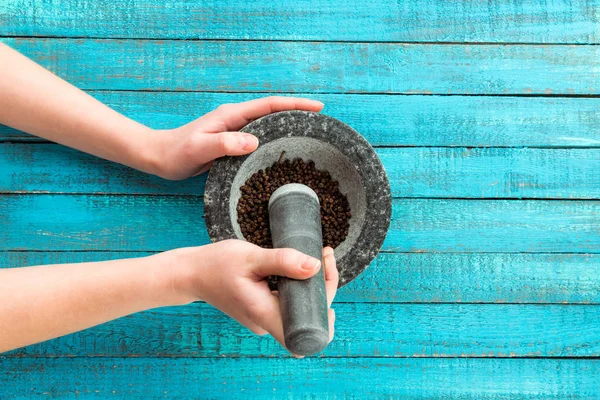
327, 158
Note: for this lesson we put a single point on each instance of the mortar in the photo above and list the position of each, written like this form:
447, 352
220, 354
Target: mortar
333, 146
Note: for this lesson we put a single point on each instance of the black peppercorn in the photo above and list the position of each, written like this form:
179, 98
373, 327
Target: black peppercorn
252, 208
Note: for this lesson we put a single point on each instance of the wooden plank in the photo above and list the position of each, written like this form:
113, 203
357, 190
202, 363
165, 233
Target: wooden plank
494, 226
362, 330
297, 67
91, 222
413, 172
33, 168
349, 20
384, 120
313, 378
492, 173
410, 277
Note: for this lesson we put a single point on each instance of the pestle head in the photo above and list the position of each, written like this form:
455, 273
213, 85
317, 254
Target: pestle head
293, 189
295, 221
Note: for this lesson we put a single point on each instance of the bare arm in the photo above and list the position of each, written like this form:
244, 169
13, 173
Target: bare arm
41, 303
36, 101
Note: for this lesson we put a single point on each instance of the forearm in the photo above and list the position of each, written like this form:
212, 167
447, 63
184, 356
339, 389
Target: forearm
34, 100
40, 303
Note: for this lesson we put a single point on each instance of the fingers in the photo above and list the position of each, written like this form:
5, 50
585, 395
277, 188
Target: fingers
331, 274
283, 262
331, 285
265, 312
207, 147
246, 321
269, 318
236, 116
257, 330
226, 144
331, 317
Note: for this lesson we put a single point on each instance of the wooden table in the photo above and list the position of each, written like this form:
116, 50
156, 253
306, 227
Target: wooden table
486, 116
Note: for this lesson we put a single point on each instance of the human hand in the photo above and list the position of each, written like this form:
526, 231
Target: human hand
189, 150
231, 275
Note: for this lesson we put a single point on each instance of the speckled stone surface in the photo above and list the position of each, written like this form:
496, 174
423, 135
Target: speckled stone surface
333, 146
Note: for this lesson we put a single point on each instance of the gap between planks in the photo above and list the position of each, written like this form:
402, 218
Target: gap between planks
187, 195
380, 252
218, 39
354, 93
37, 140
224, 357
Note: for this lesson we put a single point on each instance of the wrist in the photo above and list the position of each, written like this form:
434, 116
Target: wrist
178, 276
147, 151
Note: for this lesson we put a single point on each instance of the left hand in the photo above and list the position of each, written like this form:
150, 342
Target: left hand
189, 150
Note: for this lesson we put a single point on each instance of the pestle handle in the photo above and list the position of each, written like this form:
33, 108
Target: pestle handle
295, 220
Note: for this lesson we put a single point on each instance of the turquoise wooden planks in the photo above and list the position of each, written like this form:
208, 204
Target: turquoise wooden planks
492, 173
477, 278
312, 378
473, 251
424, 277
362, 330
51, 168
399, 120
102, 222
297, 67
413, 172
348, 20
494, 226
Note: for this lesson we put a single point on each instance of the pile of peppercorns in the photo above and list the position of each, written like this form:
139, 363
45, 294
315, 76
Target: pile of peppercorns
253, 206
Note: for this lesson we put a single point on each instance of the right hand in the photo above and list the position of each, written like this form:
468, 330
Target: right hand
231, 275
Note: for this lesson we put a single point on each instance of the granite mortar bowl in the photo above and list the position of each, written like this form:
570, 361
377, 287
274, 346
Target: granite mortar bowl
333, 146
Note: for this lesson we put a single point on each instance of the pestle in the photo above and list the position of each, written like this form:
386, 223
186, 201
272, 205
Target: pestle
295, 221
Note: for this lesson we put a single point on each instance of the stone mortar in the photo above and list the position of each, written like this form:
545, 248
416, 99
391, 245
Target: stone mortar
333, 146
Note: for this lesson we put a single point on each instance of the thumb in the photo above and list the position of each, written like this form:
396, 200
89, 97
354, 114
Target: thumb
221, 144
285, 262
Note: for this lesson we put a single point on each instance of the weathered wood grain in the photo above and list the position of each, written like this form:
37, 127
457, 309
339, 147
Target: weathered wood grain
312, 378
398, 120
423, 277
413, 172
353, 20
362, 330
494, 226
492, 173
51, 168
102, 222
297, 67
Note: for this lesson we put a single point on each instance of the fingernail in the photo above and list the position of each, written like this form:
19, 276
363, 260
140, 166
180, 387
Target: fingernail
250, 142
310, 263
319, 103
